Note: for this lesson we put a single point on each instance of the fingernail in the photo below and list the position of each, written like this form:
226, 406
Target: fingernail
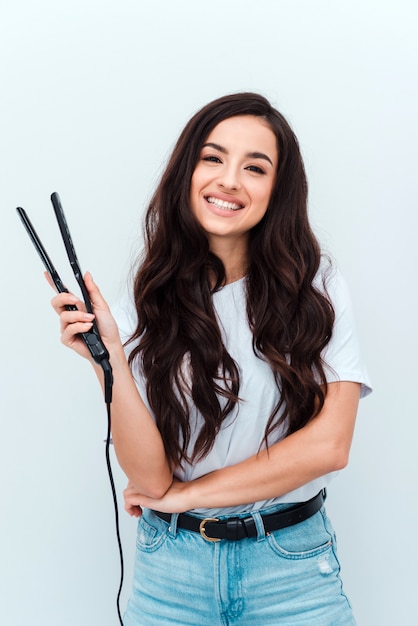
88, 317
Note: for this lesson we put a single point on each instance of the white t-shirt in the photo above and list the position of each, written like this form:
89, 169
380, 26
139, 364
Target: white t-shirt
242, 432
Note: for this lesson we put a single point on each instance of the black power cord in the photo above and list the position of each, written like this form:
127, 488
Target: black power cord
108, 383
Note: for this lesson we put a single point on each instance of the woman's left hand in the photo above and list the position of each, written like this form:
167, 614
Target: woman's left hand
173, 500
130, 496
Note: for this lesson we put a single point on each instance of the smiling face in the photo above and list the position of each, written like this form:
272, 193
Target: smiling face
233, 179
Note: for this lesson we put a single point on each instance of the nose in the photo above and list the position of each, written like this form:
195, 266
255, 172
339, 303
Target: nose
229, 179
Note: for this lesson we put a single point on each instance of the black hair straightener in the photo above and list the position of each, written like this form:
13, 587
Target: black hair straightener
92, 338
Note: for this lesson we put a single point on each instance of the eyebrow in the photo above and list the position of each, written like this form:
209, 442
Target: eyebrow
251, 155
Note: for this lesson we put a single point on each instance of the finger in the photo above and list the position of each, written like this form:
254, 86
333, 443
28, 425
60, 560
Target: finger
72, 317
96, 297
69, 318
70, 333
131, 497
62, 300
49, 280
128, 506
133, 511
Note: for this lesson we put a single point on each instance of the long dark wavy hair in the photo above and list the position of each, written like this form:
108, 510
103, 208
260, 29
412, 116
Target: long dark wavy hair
178, 341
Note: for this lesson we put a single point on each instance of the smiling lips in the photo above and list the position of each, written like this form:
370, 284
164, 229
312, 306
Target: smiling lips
222, 204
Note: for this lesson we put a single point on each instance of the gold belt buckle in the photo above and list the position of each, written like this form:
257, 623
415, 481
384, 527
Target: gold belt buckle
202, 529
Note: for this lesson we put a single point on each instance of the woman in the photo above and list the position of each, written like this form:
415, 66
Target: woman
237, 400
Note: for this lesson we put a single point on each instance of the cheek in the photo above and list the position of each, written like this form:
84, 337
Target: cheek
198, 182
263, 197
198, 176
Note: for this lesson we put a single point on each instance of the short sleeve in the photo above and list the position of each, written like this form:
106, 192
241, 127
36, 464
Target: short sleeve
126, 318
342, 356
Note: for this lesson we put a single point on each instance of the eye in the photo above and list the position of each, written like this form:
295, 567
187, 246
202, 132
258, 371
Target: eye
211, 158
255, 169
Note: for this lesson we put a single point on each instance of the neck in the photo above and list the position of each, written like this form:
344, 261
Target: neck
233, 255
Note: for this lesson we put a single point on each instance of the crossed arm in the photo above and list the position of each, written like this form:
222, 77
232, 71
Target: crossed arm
320, 447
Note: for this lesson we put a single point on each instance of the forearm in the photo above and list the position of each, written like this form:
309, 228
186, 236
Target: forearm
319, 448
286, 466
137, 441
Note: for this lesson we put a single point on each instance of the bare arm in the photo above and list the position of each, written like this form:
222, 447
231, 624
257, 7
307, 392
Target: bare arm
138, 444
320, 447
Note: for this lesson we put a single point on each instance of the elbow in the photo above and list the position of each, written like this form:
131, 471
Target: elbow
341, 461
157, 491
338, 456
154, 489
332, 454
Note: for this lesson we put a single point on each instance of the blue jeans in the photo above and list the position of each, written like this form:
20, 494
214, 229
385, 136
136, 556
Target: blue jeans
290, 577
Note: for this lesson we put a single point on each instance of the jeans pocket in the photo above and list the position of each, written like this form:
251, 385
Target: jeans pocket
304, 540
152, 532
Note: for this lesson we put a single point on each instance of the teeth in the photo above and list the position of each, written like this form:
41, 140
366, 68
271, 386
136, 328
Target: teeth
227, 206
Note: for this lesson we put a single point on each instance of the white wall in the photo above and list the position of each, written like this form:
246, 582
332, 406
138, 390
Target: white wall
93, 95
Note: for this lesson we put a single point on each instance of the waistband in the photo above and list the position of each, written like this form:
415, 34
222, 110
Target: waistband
237, 528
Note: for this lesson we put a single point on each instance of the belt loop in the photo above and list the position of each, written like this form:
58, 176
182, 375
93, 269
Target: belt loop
258, 521
172, 529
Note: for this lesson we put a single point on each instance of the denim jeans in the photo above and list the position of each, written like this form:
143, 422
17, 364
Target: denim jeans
290, 577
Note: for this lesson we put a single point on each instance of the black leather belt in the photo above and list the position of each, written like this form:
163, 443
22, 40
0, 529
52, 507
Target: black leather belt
236, 528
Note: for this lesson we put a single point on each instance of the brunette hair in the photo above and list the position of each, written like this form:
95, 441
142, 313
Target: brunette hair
178, 340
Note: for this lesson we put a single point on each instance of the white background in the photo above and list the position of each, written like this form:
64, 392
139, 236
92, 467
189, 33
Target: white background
93, 95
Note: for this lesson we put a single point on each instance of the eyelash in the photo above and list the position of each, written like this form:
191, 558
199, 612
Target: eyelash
256, 169
251, 168
212, 158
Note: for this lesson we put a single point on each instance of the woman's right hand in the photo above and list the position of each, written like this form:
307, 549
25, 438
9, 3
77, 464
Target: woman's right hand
75, 322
